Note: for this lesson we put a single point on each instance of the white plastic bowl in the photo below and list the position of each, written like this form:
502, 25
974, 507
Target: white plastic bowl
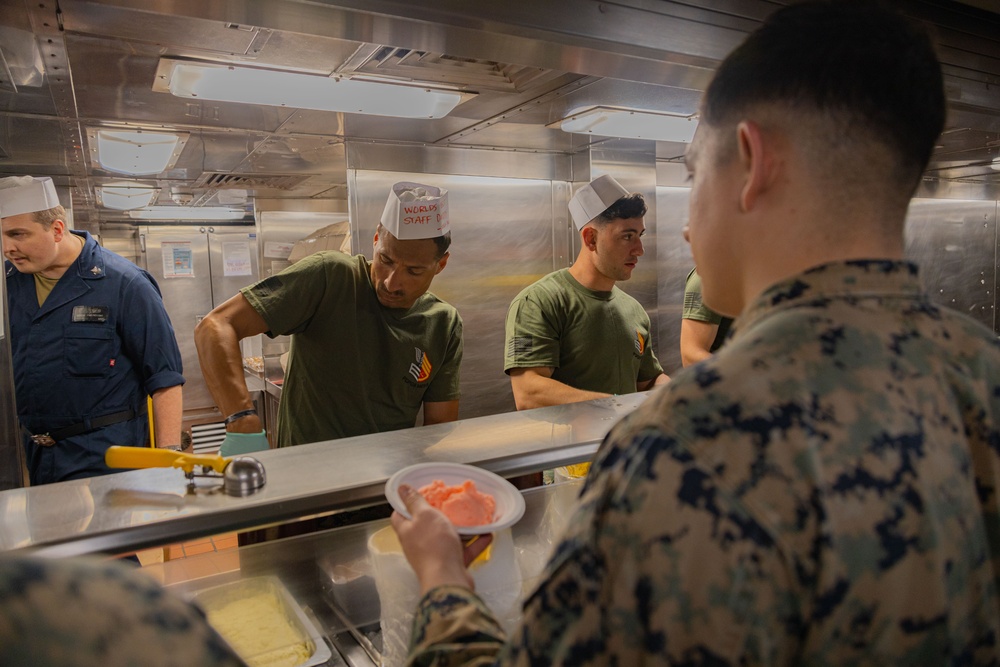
509, 501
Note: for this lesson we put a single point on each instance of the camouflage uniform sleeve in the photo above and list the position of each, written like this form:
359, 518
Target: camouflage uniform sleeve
660, 565
89, 613
453, 626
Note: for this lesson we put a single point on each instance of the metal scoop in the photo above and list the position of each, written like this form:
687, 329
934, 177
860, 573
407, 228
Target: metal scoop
241, 475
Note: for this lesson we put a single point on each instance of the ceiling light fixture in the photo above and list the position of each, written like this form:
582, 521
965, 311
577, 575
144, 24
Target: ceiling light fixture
136, 152
630, 123
250, 85
995, 164
186, 213
125, 196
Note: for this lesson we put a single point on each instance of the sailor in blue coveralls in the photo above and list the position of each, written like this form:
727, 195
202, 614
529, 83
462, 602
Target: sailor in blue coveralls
90, 339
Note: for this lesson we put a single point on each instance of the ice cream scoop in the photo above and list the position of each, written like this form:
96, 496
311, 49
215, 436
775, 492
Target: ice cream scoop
241, 475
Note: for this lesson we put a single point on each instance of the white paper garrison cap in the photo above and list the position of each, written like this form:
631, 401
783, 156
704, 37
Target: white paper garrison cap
594, 198
26, 194
416, 211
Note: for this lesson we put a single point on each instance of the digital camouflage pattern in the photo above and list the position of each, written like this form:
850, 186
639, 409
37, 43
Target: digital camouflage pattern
89, 613
823, 491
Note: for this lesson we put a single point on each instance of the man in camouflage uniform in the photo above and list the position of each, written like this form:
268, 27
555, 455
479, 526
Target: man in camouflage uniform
824, 489
84, 612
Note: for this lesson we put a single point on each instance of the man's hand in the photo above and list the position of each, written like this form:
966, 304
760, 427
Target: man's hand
432, 546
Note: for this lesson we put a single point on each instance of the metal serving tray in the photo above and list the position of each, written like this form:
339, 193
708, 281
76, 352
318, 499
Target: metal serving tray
217, 596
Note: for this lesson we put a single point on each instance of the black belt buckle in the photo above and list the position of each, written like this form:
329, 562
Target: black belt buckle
43, 440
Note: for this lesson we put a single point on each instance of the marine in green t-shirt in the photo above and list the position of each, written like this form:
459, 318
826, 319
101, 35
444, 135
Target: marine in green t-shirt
355, 366
573, 335
370, 346
703, 331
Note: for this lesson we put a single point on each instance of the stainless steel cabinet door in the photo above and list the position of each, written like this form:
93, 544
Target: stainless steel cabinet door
233, 260
177, 257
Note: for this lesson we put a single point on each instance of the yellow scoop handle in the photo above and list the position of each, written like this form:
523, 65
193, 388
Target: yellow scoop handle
148, 457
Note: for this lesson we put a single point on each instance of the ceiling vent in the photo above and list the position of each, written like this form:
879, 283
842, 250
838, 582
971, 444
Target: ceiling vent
462, 73
227, 181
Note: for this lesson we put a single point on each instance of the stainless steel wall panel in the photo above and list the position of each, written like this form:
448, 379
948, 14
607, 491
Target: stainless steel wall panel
564, 233
502, 240
226, 282
955, 243
981, 191
123, 241
673, 262
513, 135
279, 230
187, 300
464, 161
11, 450
32, 146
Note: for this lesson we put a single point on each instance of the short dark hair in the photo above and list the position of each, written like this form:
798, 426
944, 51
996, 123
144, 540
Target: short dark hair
873, 72
626, 208
442, 243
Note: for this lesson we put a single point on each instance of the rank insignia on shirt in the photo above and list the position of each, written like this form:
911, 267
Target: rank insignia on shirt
421, 369
96, 270
640, 343
91, 313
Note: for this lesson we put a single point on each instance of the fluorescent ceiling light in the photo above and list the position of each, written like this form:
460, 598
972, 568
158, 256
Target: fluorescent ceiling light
136, 152
125, 196
249, 85
207, 213
995, 164
631, 123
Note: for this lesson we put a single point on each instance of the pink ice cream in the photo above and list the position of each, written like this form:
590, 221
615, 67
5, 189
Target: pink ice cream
464, 505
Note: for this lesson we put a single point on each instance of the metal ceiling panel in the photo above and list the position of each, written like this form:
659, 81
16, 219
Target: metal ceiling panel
120, 90
530, 63
33, 144
174, 31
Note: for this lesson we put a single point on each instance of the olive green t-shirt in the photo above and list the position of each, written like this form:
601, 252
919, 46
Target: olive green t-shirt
595, 341
354, 367
695, 309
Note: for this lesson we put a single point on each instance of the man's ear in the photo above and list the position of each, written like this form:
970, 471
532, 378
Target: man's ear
756, 157
589, 236
443, 262
58, 228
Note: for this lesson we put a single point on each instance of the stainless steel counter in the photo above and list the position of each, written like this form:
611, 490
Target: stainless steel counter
147, 508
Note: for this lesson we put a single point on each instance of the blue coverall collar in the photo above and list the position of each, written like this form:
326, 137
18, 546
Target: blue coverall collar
90, 263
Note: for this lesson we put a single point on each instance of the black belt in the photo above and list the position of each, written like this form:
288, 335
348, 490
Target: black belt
49, 439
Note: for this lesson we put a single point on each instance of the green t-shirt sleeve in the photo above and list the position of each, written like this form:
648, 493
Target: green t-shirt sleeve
531, 339
694, 309
289, 300
649, 365
445, 386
